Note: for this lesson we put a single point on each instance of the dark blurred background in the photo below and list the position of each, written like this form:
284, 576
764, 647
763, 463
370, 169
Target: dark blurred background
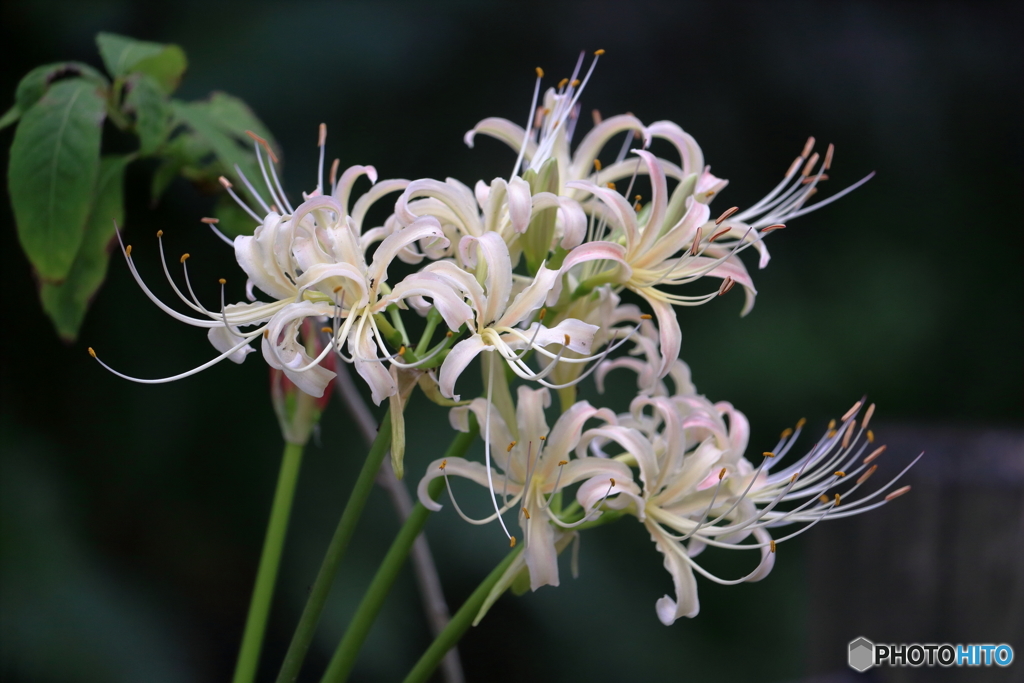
132, 516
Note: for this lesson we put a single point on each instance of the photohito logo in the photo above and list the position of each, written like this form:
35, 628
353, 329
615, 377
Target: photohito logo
863, 654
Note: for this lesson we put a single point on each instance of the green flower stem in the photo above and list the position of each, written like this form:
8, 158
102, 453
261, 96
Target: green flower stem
270, 560
460, 622
339, 542
348, 649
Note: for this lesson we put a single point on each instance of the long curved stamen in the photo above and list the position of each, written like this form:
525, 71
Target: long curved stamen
322, 144
587, 516
529, 124
260, 142
471, 520
554, 488
195, 322
170, 280
212, 224
704, 516
189, 373
226, 184
487, 448
252, 190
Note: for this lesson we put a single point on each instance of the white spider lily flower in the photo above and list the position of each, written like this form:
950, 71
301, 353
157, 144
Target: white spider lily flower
506, 208
495, 319
533, 464
698, 490
312, 260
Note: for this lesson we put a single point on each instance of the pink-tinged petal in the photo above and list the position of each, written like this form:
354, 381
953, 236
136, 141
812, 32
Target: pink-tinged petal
423, 228
595, 140
708, 186
368, 364
371, 196
343, 190
498, 280
282, 350
257, 258
697, 466
739, 427
680, 373
458, 358
689, 151
224, 339
632, 441
460, 280
426, 284
622, 213
504, 130
530, 405
541, 554
659, 200
501, 436
327, 276
481, 191
580, 334
677, 563
645, 380
567, 430
456, 467
530, 299
570, 220
597, 488
593, 251
451, 195
670, 336
678, 237
520, 204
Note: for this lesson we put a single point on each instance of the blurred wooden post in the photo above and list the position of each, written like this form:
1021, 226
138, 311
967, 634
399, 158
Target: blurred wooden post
943, 564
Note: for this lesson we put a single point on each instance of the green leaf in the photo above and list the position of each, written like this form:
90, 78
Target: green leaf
52, 173
235, 117
233, 219
163, 176
66, 303
120, 53
123, 55
152, 112
226, 140
166, 68
36, 82
10, 116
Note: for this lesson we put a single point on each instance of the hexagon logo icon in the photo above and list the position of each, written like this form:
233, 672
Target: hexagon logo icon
862, 654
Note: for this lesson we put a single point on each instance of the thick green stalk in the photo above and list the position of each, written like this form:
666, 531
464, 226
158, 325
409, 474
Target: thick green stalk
329, 568
348, 649
270, 560
460, 622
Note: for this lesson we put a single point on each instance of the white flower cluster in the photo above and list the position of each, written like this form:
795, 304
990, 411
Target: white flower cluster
530, 270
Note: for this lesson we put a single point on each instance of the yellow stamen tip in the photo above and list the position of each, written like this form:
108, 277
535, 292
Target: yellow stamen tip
543, 438
837, 500
328, 330
646, 316
561, 83
526, 513
540, 72
159, 233
512, 542
786, 433
401, 350
443, 464
598, 53
568, 340
801, 422
184, 257
721, 474
128, 250
543, 312
91, 352
768, 454
597, 164
511, 446
575, 83
563, 463
871, 436
222, 281
823, 499
610, 186
771, 545
840, 473
338, 288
